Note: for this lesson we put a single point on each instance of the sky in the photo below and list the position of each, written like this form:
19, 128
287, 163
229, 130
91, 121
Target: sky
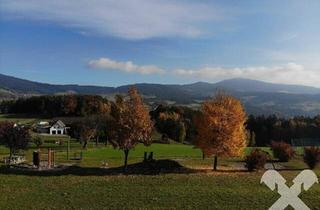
117, 42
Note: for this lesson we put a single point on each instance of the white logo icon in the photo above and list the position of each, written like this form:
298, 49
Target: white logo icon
289, 195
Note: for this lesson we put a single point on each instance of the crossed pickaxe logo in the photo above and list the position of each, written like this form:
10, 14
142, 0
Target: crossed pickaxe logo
289, 195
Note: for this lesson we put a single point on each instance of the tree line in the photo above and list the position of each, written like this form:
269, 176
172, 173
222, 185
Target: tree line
129, 123
172, 122
58, 105
219, 128
178, 123
265, 129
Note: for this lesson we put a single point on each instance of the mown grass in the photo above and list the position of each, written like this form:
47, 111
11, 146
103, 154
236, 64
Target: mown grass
165, 191
87, 186
21, 118
204, 190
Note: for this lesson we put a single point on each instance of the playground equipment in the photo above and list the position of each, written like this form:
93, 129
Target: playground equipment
15, 159
44, 160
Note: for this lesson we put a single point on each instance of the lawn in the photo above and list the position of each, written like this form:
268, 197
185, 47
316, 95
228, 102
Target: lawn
87, 185
21, 118
220, 190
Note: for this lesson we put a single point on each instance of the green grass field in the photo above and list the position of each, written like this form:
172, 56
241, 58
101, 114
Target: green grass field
20, 118
87, 185
167, 191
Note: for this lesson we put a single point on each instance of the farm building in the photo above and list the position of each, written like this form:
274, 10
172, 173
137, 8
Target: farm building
43, 127
58, 128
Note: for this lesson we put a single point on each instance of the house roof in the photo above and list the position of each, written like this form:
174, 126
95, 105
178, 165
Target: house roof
59, 123
43, 123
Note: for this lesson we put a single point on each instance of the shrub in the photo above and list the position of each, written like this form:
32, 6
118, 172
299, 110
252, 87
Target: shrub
61, 142
14, 137
311, 156
256, 160
282, 151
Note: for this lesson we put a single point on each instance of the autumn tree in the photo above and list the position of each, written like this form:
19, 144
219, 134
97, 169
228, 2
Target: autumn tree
131, 123
85, 129
172, 124
181, 132
14, 137
175, 122
58, 105
220, 127
69, 105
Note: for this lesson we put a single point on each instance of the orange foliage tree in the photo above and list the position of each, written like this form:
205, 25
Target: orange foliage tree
131, 123
69, 104
220, 127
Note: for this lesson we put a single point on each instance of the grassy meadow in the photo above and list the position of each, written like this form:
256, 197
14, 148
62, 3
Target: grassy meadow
88, 184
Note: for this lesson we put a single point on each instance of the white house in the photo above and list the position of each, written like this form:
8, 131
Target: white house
58, 128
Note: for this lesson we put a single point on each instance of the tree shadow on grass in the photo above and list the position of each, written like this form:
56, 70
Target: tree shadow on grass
281, 166
155, 167
232, 171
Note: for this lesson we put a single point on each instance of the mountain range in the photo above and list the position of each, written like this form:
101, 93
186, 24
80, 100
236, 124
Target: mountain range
258, 97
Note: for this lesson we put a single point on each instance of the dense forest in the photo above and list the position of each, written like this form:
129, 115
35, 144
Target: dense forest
264, 129
61, 105
172, 122
177, 122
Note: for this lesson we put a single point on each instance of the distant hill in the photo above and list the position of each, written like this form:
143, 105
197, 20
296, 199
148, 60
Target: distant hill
258, 97
245, 85
28, 87
7, 94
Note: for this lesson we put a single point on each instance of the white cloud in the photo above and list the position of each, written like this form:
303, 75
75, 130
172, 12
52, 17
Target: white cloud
128, 66
290, 73
130, 19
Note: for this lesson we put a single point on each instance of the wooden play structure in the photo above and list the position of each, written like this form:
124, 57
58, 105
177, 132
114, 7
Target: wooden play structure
44, 160
15, 159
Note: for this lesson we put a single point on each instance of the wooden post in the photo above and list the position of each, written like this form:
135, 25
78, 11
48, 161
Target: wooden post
68, 149
53, 158
49, 158
36, 158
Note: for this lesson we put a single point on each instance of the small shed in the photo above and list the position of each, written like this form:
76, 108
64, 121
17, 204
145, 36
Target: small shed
43, 127
58, 128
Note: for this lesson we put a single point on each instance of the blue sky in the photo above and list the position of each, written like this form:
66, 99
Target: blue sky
115, 42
